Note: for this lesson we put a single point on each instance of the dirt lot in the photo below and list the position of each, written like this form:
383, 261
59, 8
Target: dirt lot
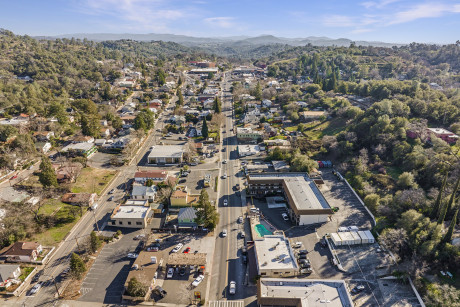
92, 180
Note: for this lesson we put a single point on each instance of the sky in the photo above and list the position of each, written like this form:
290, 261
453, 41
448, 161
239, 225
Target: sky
394, 21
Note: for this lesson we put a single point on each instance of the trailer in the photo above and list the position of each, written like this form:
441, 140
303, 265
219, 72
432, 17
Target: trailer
356, 238
369, 236
347, 238
353, 228
364, 238
336, 239
342, 229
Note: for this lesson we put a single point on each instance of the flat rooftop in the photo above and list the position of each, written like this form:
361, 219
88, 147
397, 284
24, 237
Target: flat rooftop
305, 193
131, 212
307, 292
175, 151
273, 253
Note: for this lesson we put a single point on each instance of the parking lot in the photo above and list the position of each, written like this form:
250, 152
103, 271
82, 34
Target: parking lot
179, 288
103, 285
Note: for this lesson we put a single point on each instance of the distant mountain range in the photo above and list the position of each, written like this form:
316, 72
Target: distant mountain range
233, 41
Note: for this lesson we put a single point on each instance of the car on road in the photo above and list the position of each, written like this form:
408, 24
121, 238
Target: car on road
303, 252
232, 288
198, 280
240, 219
187, 250
184, 174
224, 162
242, 235
224, 176
110, 198
14, 177
36, 288
132, 255
224, 233
170, 273
225, 202
177, 248
183, 180
37, 276
357, 289
285, 217
139, 237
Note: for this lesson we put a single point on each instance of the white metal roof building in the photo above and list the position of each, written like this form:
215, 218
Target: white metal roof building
130, 216
166, 154
303, 292
275, 257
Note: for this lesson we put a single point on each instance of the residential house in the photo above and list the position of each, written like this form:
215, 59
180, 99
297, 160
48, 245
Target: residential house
128, 119
100, 142
267, 103
269, 130
9, 273
67, 172
208, 104
186, 217
105, 132
21, 252
43, 136
81, 149
43, 147
301, 104
443, 134
79, 199
177, 120
156, 175
142, 192
247, 135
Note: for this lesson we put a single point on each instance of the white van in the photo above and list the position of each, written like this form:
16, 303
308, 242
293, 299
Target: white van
94, 206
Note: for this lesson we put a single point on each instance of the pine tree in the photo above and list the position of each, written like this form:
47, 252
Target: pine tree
47, 176
452, 197
204, 129
77, 266
435, 212
448, 236
206, 214
217, 105
95, 242
181, 98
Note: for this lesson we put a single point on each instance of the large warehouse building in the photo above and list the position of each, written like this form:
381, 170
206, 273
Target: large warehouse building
166, 154
306, 204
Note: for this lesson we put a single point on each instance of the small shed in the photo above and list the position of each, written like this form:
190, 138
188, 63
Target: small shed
336, 239
369, 236
347, 238
356, 237
363, 236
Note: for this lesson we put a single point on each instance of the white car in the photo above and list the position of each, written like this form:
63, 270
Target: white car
224, 176
178, 248
170, 273
224, 233
232, 288
198, 280
224, 162
36, 288
225, 202
132, 255
285, 217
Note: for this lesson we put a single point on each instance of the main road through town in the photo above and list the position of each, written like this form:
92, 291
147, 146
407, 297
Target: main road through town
227, 263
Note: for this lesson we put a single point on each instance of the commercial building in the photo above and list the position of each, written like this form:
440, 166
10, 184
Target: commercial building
81, 149
166, 154
302, 292
179, 197
248, 150
143, 176
247, 135
203, 71
306, 203
186, 217
275, 257
130, 216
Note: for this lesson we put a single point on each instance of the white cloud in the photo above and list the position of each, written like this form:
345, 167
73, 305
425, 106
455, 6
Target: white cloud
378, 4
426, 10
222, 22
338, 21
150, 15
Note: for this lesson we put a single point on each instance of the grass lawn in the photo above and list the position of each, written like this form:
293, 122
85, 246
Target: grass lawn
25, 272
51, 206
316, 130
291, 129
92, 180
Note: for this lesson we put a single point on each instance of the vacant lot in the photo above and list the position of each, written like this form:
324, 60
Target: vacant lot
92, 180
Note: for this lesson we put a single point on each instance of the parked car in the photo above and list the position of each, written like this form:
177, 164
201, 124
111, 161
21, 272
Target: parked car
224, 176
301, 256
153, 249
36, 288
237, 186
224, 162
357, 289
139, 237
182, 271
160, 291
187, 250
170, 273
303, 252
240, 219
37, 276
224, 233
110, 198
285, 217
232, 288
132, 255
193, 164
242, 235
323, 242
197, 281
297, 245
177, 248
112, 191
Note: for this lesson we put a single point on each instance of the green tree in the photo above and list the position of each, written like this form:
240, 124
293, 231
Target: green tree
136, 288
181, 98
445, 208
47, 176
435, 212
206, 214
95, 242
406, 180
161, 77
448, 236
204, 129
144, 120
217, 107
7, 131
90, 125
77, 266
301, 163
149, 182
